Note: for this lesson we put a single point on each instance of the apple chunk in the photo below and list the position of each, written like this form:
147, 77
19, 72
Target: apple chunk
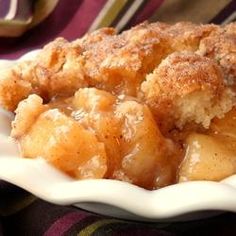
225, 126
208, 158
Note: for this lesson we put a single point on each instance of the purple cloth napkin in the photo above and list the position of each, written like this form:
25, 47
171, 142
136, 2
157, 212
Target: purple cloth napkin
23, 214
69, 21
20, 10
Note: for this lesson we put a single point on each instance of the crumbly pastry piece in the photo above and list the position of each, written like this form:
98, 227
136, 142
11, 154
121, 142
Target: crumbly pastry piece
187, 88
187, 35
13, 88
102, 59
116, 63
89, 39
220, 45
102, 137
56, 71
119, 63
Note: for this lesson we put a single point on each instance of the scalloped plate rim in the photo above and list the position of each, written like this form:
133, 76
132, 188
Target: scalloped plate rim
159, 203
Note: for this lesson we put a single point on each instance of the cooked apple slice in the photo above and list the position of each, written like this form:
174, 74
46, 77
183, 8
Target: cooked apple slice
225, 126
208, 158
63, 142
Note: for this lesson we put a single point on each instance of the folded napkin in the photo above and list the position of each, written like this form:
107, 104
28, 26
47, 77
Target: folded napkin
17, 16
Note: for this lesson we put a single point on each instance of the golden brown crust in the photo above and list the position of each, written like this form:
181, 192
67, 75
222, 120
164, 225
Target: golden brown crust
13, 89
187, 35
171, 88
119, 63
183, 73
115, 63
89, 39
220, 45
56, 71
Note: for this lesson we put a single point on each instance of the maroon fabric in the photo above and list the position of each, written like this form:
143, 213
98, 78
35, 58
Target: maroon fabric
146, 12
4, 8
226, 12
69, 21
42, 218
63, 224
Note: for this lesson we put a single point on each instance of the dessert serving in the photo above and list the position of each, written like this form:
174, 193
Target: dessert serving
153, 106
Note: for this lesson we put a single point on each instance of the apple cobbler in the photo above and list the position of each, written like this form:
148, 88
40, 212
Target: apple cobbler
152, 106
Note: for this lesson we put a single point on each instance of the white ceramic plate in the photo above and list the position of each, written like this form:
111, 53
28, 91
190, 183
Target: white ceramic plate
110, 197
